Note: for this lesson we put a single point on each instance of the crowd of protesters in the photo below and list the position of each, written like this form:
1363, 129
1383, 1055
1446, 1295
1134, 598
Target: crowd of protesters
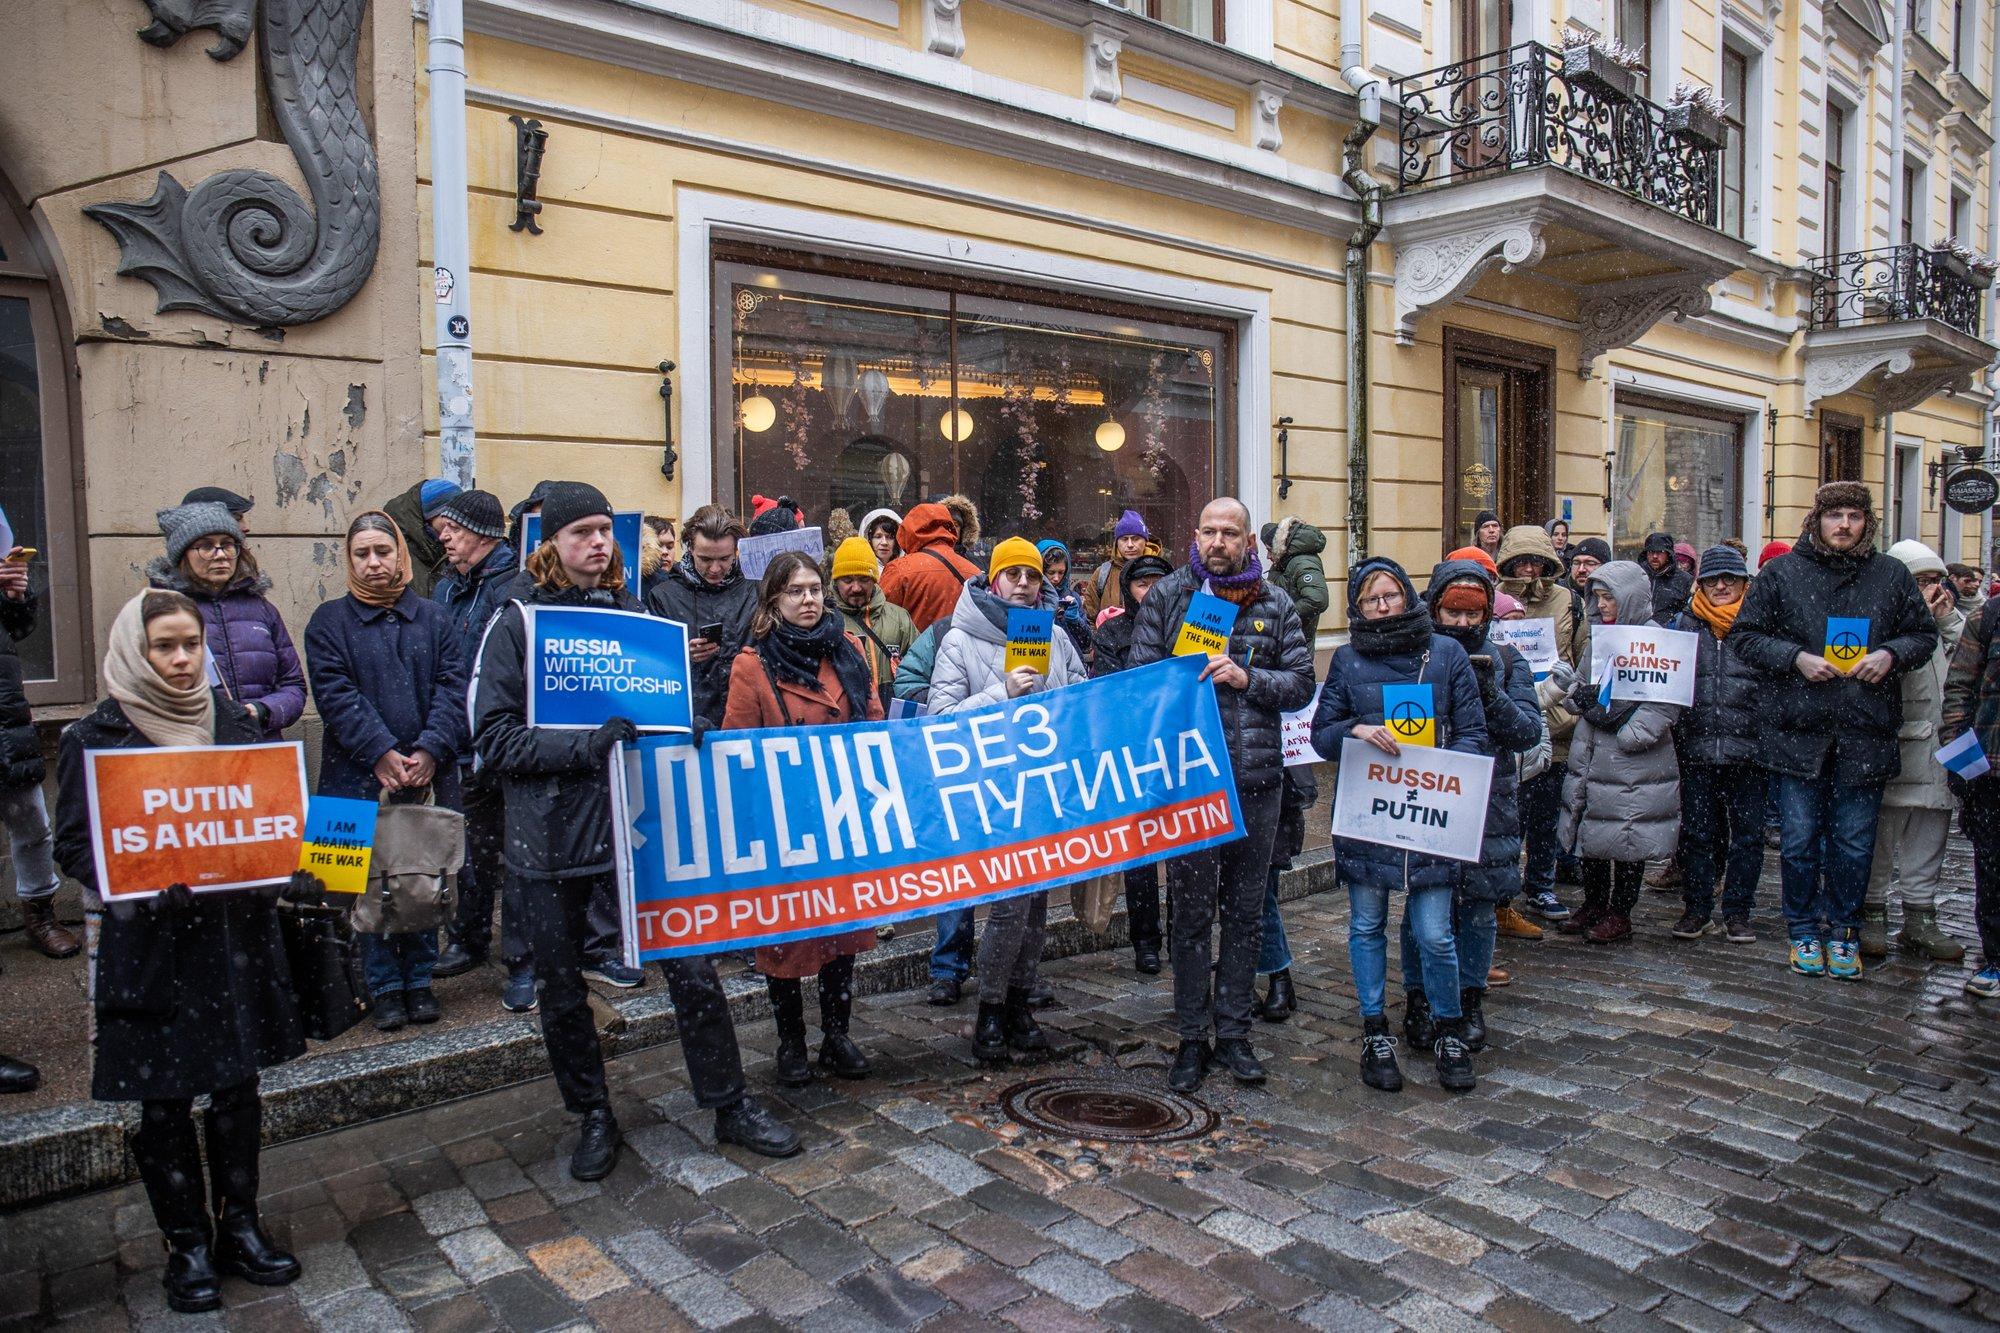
416, 672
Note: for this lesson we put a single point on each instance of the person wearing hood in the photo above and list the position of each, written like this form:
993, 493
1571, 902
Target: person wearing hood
248, 645
657, 543
559, 844
1461, 602
1129, 541
965, 518
1622, 788
1487, 531
1723, 788
413, 511
969, 674
389, 678
1687, 557
1392, 641
192, 992
879, 528
1294, 546
803, 668
1672, 585
1264, 672
1069, 602
1531, 574
706, 591
1916, 804
929, 578
1830, 733
882, 628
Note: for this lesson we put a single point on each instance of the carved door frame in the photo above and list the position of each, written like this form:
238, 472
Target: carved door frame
1525, 482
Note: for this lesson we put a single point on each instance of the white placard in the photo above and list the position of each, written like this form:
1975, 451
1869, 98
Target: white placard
1651, 665
1533, 639
1424, 800
1296, 735
754, 554
6, 535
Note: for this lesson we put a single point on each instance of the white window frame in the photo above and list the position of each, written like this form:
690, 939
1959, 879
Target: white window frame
1854, 234
1908, 503
1758, 113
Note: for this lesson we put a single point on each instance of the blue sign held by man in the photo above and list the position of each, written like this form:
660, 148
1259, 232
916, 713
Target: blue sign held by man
587, 665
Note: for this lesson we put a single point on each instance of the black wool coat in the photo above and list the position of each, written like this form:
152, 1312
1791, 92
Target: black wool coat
683, 595
20, 749
1730, 694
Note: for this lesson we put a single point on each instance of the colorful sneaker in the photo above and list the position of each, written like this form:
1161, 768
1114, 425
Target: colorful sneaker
1807, 960
1985, 982
1843, 959
1547, 906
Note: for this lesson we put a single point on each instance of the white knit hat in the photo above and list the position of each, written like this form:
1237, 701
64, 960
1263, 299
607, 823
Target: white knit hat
1917, 557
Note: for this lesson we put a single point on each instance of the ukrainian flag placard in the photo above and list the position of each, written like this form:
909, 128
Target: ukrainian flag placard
1028, 634
339, 838
1206, 629
1410, 714
1846, 640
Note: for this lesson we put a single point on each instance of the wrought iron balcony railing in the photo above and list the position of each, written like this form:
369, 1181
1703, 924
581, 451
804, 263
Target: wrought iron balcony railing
1530, 106
1896, 282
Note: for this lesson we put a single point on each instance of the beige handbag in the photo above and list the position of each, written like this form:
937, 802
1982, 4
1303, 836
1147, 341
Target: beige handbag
413, 869
1093, 900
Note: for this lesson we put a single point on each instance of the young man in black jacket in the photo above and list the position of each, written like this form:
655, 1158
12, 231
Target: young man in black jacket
559, 845
706, 591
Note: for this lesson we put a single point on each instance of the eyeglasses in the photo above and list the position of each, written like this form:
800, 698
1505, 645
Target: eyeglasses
214, 548
1930, 580
1382, 599
812, 592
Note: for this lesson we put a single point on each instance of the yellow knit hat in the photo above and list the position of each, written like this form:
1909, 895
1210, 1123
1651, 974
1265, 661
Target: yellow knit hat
1012, 554
855, 559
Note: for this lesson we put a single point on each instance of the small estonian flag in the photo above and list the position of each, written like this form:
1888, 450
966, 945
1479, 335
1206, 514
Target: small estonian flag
1964, 757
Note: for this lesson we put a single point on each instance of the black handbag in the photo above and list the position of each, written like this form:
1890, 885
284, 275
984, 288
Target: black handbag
326, 975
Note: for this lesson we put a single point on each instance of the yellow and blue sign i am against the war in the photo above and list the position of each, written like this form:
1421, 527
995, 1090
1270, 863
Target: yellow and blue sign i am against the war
1846, 640
1410, 714
1206, 628
339, 840
1028, 634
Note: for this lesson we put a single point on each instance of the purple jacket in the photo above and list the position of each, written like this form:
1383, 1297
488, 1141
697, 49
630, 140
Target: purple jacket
247, 639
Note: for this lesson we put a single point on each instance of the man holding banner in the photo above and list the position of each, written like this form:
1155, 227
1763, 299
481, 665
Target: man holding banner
556, 782
1837, 624
1261, 669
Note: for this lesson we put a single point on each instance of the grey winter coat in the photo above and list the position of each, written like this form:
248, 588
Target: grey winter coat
1622, 794
967, 671
1920, 783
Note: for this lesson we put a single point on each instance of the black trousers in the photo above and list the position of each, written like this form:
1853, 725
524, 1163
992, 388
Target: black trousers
836, 998
1979, 819
1612, 884
1228, 880
485, 871
169, 1160
1142, 904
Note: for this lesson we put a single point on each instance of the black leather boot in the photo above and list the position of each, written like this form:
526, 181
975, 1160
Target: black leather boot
1419, 1028
1235, 1055
1024, 1034
169, 1162
1472, 1004
1190, 1067
597, 1146
1454, 1061
794, 1070
747, 1123
18, 1075
989, 1034
1378, 1056
192, 1284
233, 1128
1280, 1001
243, 1250
838, 1054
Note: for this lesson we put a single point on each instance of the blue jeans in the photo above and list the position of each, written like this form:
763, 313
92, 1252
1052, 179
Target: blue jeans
399, 962
1722, 835
1472, 931
1275, 954
1826, 849
951, 956
1368, 946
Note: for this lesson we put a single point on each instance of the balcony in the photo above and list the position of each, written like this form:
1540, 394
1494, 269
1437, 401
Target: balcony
1900, 323
1539, 162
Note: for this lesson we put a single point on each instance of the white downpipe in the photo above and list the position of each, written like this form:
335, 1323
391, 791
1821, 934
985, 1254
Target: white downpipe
1896, 150
449, 243
1365, 83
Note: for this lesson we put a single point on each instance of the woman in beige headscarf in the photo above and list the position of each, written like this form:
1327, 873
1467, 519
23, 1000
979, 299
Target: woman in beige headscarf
193, 994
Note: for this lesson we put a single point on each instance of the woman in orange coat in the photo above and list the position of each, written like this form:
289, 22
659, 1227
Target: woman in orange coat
802, 669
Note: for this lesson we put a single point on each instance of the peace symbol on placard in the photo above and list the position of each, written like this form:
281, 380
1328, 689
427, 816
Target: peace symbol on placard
1408, 719
1846, 645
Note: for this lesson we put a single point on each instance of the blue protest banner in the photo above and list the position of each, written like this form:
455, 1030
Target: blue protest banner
625, 525
779, 834
587, 665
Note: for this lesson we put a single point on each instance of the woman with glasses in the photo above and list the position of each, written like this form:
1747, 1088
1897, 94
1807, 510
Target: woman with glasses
250, 653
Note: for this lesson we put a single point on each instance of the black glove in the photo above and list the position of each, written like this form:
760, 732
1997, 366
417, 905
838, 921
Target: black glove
305, 890
1489, 680
179, 897
702, 726
608, 735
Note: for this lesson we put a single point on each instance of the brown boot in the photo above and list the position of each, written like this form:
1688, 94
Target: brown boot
50, 938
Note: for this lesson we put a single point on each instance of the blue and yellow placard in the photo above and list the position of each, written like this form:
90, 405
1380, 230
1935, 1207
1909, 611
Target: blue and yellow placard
1206, 629
1846, 640
1410, 714
1028, 633
339, 839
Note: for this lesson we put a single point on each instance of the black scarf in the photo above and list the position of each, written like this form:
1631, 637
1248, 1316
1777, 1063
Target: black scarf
1392, 636
793, 655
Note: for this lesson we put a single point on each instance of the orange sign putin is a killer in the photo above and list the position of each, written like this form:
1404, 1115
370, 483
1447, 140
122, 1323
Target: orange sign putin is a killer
210, 817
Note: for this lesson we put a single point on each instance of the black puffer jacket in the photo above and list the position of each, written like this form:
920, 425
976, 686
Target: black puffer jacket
1672, 587
681, 594
1802, 725
20, 750
558, 801
1266, 641
1729, 696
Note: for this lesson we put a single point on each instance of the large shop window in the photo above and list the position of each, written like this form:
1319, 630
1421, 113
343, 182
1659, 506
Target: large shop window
855, 387
1676, 471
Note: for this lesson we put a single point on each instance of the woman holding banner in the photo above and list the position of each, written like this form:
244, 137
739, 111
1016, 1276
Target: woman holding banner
802, 668
557, 789
1391, 644
193, 993
1622, 794
387, 672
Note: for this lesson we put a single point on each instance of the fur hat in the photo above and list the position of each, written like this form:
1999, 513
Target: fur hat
1841, 495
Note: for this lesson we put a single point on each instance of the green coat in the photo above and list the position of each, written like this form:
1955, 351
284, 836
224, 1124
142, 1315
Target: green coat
886, 633
1299, 571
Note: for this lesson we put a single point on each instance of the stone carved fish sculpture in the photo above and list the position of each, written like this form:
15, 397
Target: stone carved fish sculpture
241, 245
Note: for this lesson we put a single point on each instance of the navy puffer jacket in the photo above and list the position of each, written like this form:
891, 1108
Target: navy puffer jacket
1730, 695
1352, 696
247, 637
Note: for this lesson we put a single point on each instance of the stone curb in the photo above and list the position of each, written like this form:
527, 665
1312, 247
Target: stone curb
71, 1149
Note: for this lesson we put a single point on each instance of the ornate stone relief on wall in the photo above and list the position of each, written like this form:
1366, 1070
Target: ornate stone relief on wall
1101, 49
241, 244
1617, 314
1438, 269
944, 28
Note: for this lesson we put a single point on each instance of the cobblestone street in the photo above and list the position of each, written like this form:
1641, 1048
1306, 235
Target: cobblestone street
1664, 1134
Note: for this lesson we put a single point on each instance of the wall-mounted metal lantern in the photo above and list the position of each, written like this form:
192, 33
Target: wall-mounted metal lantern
529, 141
1284, 457
671, 458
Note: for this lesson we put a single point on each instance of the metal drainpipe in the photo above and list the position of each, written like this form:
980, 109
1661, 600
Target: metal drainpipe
449, 244
1368, 193
1890, 500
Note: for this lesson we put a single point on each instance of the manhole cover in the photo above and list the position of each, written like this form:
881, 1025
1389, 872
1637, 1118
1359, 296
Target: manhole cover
1094, 1108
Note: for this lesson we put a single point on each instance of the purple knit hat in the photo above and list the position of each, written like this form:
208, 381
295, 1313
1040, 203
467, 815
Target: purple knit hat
1130, 525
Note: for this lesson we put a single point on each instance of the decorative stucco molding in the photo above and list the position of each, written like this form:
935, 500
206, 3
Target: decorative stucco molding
944, 28
1900, 393
241, 245
1102, 46
1266, 101
175, 19
1611, 315
1830, 376
1438, 269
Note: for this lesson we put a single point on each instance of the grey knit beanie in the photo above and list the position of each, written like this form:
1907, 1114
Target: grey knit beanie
183, 525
